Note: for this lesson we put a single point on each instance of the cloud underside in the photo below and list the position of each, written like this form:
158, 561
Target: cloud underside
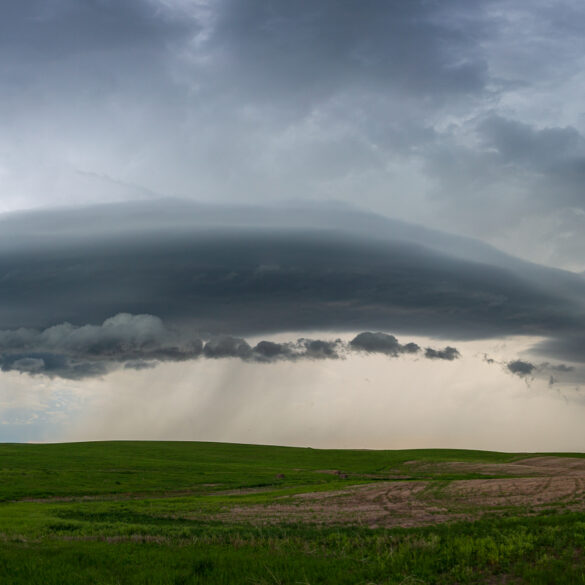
241, 273
141, 341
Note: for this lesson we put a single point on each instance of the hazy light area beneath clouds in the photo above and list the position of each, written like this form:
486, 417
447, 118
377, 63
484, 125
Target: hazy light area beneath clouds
368, 401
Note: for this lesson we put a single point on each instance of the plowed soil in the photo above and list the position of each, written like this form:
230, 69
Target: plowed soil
524, 487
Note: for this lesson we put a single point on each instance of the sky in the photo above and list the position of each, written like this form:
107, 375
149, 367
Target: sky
320, 223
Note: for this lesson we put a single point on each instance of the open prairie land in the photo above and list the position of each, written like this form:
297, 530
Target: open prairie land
185, 513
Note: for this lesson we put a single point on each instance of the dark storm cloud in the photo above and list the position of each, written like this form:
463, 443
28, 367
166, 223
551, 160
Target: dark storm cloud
554, 372
393, 100
139, 342
570, 347
308, 49
381, 343
505, 185
83, 52
163, 217
239, 98
54, 365
521, 143
554, 155
273, 270
223, 347
390, 99
139, 365
521, 368
448, 353
249, 50
317, 349
122, 337
176, 94
269, 350
84, 351
51, 29
312, 349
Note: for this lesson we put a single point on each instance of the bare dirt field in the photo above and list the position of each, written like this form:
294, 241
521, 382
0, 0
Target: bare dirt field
526, 486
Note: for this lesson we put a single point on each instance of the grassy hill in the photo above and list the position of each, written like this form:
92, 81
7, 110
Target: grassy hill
114, 467
186, 513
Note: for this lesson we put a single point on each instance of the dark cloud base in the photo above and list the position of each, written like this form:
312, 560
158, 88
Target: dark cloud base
140, 341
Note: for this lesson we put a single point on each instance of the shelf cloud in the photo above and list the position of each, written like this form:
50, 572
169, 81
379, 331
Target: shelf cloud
104, 286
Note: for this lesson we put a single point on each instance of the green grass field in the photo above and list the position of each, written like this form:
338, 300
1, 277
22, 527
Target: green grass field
186, 513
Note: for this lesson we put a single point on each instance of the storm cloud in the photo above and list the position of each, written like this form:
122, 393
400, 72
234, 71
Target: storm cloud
448, 353
272, 270
230, 276
553, 372
180, 181
382, 343
141, 341
521, 368
83, 351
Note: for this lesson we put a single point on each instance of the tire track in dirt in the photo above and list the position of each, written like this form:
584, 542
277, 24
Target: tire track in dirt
548, 482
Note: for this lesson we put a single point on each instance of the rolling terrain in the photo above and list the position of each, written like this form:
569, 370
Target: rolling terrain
182, 513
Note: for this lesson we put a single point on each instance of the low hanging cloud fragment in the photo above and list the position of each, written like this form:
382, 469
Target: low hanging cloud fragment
76, 352
226, 347
317, 349
56, 365
139, 365
521, 368
266, 351
139, 342
448, 353
381, 343
555, 372
120, 338
269, 351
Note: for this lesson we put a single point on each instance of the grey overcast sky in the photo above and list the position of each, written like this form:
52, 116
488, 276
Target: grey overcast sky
197, 194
